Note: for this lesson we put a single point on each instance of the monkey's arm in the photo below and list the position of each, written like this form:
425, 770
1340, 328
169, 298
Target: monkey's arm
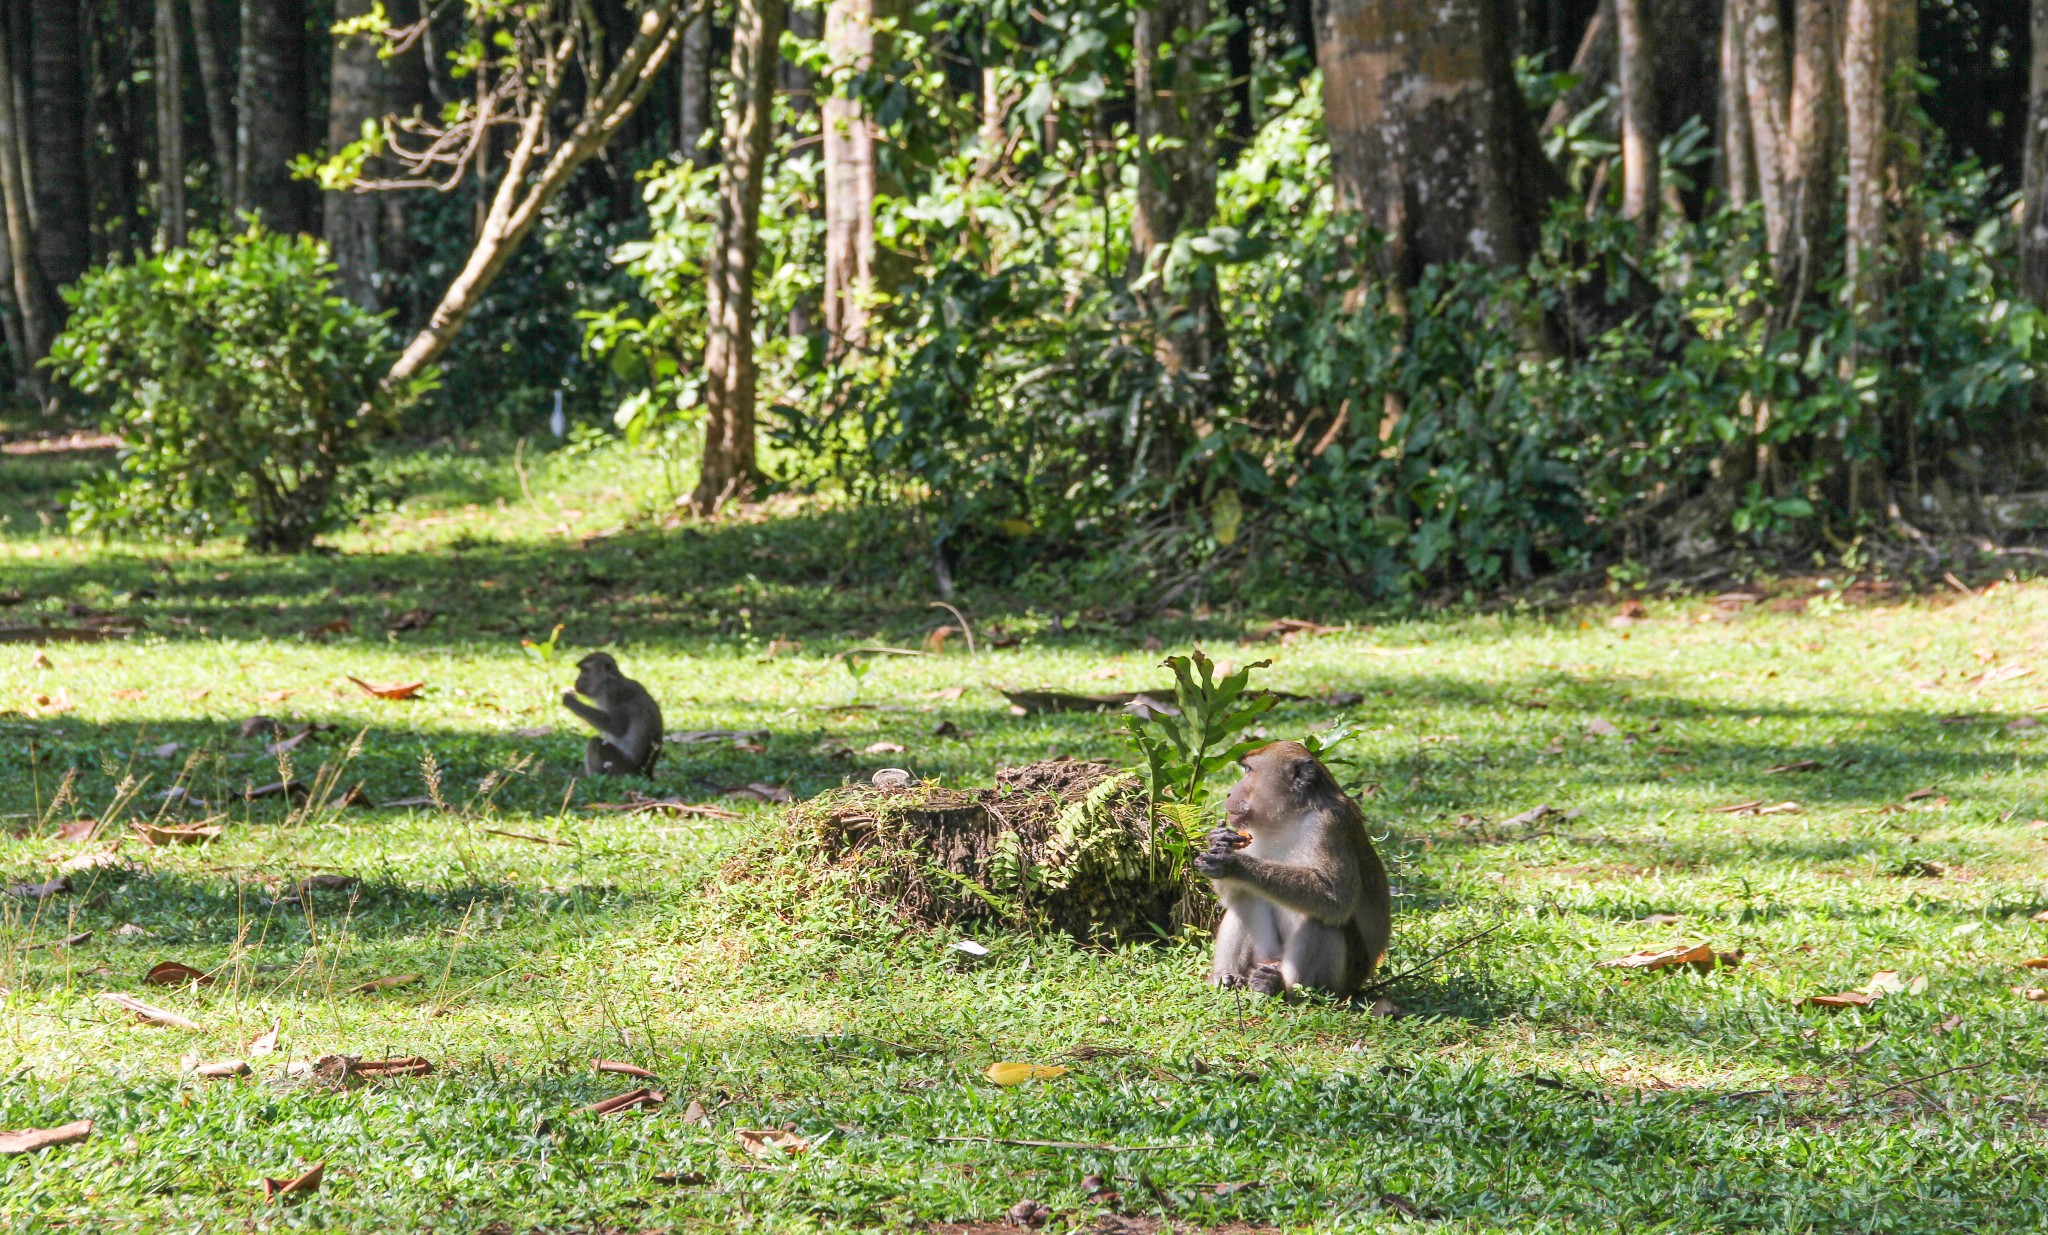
596, 718
1324, 884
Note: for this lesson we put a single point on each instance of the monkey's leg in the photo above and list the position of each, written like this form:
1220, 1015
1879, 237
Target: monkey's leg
601, 758
1234, 951
1316, 955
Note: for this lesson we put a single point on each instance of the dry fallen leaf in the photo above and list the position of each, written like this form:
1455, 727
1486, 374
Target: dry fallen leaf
1797, 765
1950, 1025
79, 829
1882, 983
1600, 728
2032, 994
632, 1099
304, 1185
28, 1140
1389, 1009
157, 834
266, 1042
404, 1065
1007, 1074
883, 748
389, 690
696, 1114
761, 791
176, 973
2039, 962
771, 1142
37, 891
1917, 794
148, 1012
221, 1071
623, 1069
948, 693
384, 984
1700, 956
41, 660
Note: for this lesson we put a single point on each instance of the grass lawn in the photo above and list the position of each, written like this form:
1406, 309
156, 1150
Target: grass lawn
1526, 1091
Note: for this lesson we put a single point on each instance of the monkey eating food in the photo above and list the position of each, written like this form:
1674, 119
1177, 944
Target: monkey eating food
1305, 898
627, 719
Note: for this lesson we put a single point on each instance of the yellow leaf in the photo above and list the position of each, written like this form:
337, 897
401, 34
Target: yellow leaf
1018, 1073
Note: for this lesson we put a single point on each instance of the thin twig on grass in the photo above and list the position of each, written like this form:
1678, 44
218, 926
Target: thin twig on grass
1963, 1067
998, 1140
1374, 988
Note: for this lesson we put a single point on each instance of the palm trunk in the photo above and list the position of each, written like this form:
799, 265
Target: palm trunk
169, 75
214, 76
355, 94
1176, 123
270, 111
1639, 178
729, 371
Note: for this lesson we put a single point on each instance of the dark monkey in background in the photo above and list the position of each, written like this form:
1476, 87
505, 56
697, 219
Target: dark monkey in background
627, 719
1305, 898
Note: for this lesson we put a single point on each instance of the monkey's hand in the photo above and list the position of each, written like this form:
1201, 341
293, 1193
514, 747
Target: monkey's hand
1219, 861
570, 699
1266, 979
1226, 839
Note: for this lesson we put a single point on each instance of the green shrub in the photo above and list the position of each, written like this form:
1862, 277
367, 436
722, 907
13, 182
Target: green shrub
244, 391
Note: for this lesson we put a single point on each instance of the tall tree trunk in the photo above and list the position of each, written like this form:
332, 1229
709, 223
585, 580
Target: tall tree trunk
1766, 82
1429, 135
1639, 177
31, 292
1737, 167
355, 94
2034, 219
169, 76
851, 174
56, 167
1814, 142
1176, 113
729, 372
693, 75
270, 114
214, 79
1863, 93
1592, 69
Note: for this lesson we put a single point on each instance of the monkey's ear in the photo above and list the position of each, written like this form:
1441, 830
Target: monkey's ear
1305, 777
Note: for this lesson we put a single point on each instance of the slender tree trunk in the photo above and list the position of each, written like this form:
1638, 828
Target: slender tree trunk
1814, 143
693, 75
1738, 169
214, 78
355, 94
56, 139
852, 178
270, 113
1766, 82
169, 75
1639, 176
729, 371
2034, 219
1593, 65
1863, 92
1176, 114
1429, 135
31, 292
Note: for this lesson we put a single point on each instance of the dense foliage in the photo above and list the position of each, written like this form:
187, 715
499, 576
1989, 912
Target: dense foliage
245, 391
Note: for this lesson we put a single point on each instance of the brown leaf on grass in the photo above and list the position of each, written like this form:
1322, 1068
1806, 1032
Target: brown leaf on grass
41, 660
72, 941
1758, 806
388, 690
1797, 765
949, 694
265, 1042
37, 891
1737, 808
1882, 983
339, 626
285, 746
2039, 962
274, 696
325, 883
2032, 994
1698, 955
304, 1185
404, 1065
623, 1069
682, 1179
771, 1142
935, 641
169, 750
127, 694
148, 1012
1389, 1009
28, 1140
1846, 999
108, 857
160, 835
384, 984
1600, 728
176, 973
632, 1099
696, 1114
882, 748
1918, 794
2039, 917
1950, 1025
761, 791
1662, 919
221, 1071
252, 726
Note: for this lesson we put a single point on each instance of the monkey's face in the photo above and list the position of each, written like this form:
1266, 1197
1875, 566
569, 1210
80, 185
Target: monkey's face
592, 672
1270, 789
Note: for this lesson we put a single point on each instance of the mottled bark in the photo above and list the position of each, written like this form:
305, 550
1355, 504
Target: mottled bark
1429, 136
31, 292
1767, 84
1737, 167
693, 75
1177, 112
56, 139
216, 83
270, 113
729, 367
1639, 174
852, 177
169, 79
1814, 137
355, 94
1863, 90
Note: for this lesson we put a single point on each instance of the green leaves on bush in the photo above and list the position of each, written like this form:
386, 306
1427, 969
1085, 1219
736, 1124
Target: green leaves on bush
244, 391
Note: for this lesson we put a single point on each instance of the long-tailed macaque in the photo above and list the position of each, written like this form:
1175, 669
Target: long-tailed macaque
1305, 899
626, 718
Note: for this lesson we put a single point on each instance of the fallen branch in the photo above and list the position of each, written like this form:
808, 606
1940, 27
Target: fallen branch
1963, 1067
538, 840
1374, 988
